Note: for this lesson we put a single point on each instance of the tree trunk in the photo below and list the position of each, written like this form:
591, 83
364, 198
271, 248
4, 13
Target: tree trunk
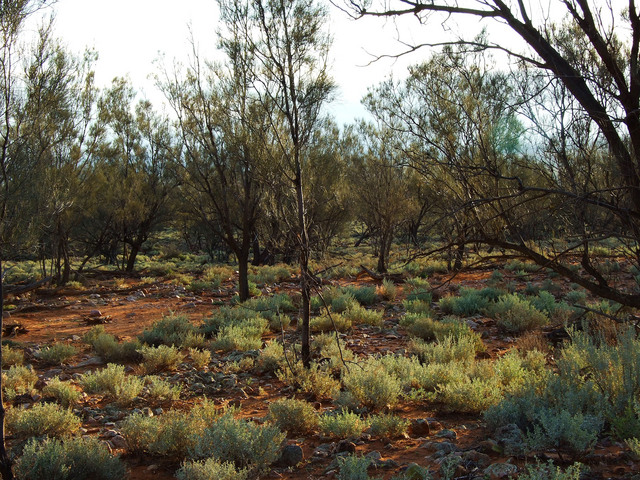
131, 259
305, 278
243, 275
5, 461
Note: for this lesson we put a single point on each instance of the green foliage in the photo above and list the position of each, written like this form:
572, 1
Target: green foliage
110, 350
63, 392
576, 297
293, 416
199, 358
314, 380
470, 302
241, 337
343, 424
210, 469
245, 444
42, 419
450, 349
18, 379
549, 471
267, 274
160, 358
372, 386
329, 322
417, 307
160, 389
515, 314
72, 459
11, 356
426, 328
472, 396
173, 330
57, 353
388, 425
327, 346
353, 467
418, 289
357, 315
364, 295
562, 430
113, 382
387, 291
271, 357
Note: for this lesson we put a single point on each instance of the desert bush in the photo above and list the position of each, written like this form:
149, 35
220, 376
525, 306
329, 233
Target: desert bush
353, 467
269, 306
63, 392
549, 471
471, 302
11, 356
271, 357
562, 430
372, 386
327, 346
417, 307
270, 273
450, 349
42, 419
217, 275
238, 366
110, 350
364, 295
342, 424
113, 382
473, 395
242, 337
72, 459
576, 297
388, 425
387, 291
199, 358
160, 358
18, 379
329, 322
314, 380
293, 416
426, 328
56, 354
160, 389
210, 469
247, 445
173, 330
515, 314
357, 315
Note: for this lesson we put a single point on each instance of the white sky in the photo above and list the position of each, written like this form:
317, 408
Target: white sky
130, 34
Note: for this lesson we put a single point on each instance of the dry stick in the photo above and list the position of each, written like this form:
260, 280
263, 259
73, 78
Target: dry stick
284, 344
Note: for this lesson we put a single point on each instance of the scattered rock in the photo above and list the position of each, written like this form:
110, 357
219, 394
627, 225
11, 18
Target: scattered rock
119, 442
345, 446
500, 470
420, 428
450, 434
291, 456
89, 362
509, 439
445, 447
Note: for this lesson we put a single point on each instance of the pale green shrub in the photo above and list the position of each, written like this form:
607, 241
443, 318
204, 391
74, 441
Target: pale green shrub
160, 358
471, 396
372, 386
549, 471
357, 315
57, 353
450, 349
388, 290
364, 295
329, 322
160, 389
293, 416
210, 469
271, 357
516, 314
110, 350
42, 419
199, 358
113, 382
244, 337
11, 356
326, 345
19, 379
63, 392
353, 467
470, 302
72, 459
314, 380
342, 424
388, 425
173, 330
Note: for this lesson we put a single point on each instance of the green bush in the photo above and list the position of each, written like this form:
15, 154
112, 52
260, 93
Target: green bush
173, 330
327, 346
314, 380
293, 416
271, 357
199, 358
364, 295
372, 386
210, 469
63, 392
342, 425
357, 315
471, 303
417, 306
562, 430
113, 382
388, 290
160, 358
516, 314
353, 467
243, 337
11, 356
450, 349
110, 350
470, 396
18, 379
247, 445
57, 353
329, 322
160, 389
549, 471
72, 459
418, 289
388, 425
42, 419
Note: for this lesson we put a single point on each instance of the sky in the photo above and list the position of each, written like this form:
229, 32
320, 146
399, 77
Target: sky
129, 35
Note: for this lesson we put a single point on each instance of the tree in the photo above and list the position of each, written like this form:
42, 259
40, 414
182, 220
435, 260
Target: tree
594, 55
290, 48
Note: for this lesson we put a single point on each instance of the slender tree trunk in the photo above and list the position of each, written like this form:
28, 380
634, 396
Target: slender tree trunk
305, 278
243, 274
5, 461
133, 254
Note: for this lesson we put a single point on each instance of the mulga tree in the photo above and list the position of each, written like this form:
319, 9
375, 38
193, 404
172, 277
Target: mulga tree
290, 47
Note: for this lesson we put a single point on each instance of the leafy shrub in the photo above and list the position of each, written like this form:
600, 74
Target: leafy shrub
271, 357
550, 472
160, 358
516, 314
576, 297
450, 349
561, 430
160, 389
63, 392
417, 306
329, 322
471, 302
57, 353
11, 356
470, 396
372, 386
364, 295
42, 419
418, 289
327, 346
199, 358
172, 330
18, 379
242, 337
293, 416
388, 425
113, 382
210, 469
72, 459
388, 290
246, 444
353, 467
426, 328
342, 424
357, 314
314, 380
110, 350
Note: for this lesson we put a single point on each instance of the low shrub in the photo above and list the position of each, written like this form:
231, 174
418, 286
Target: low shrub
109, 349
11, 356
388, 426
329, 322
113, 382
42, 419
372, 386
271, 357
72, 459
173, 330
353, 467
471, 302
357, 315
160, 358
450, 349
64, 393
242, 337
549, 471
293, 416
327, 346
199, 358
387, 291
342, 424
210, 469
364, 295
160, 389
515, 314
470, 396
18, 379
56, 354
417, 306
313, 380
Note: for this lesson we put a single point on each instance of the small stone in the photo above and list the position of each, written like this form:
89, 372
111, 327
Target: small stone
445, 447
345, 446
374, 455
500, 470
95, 313
420, 427
290, 456
147, 412
76, 338
447, 434
119, 442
